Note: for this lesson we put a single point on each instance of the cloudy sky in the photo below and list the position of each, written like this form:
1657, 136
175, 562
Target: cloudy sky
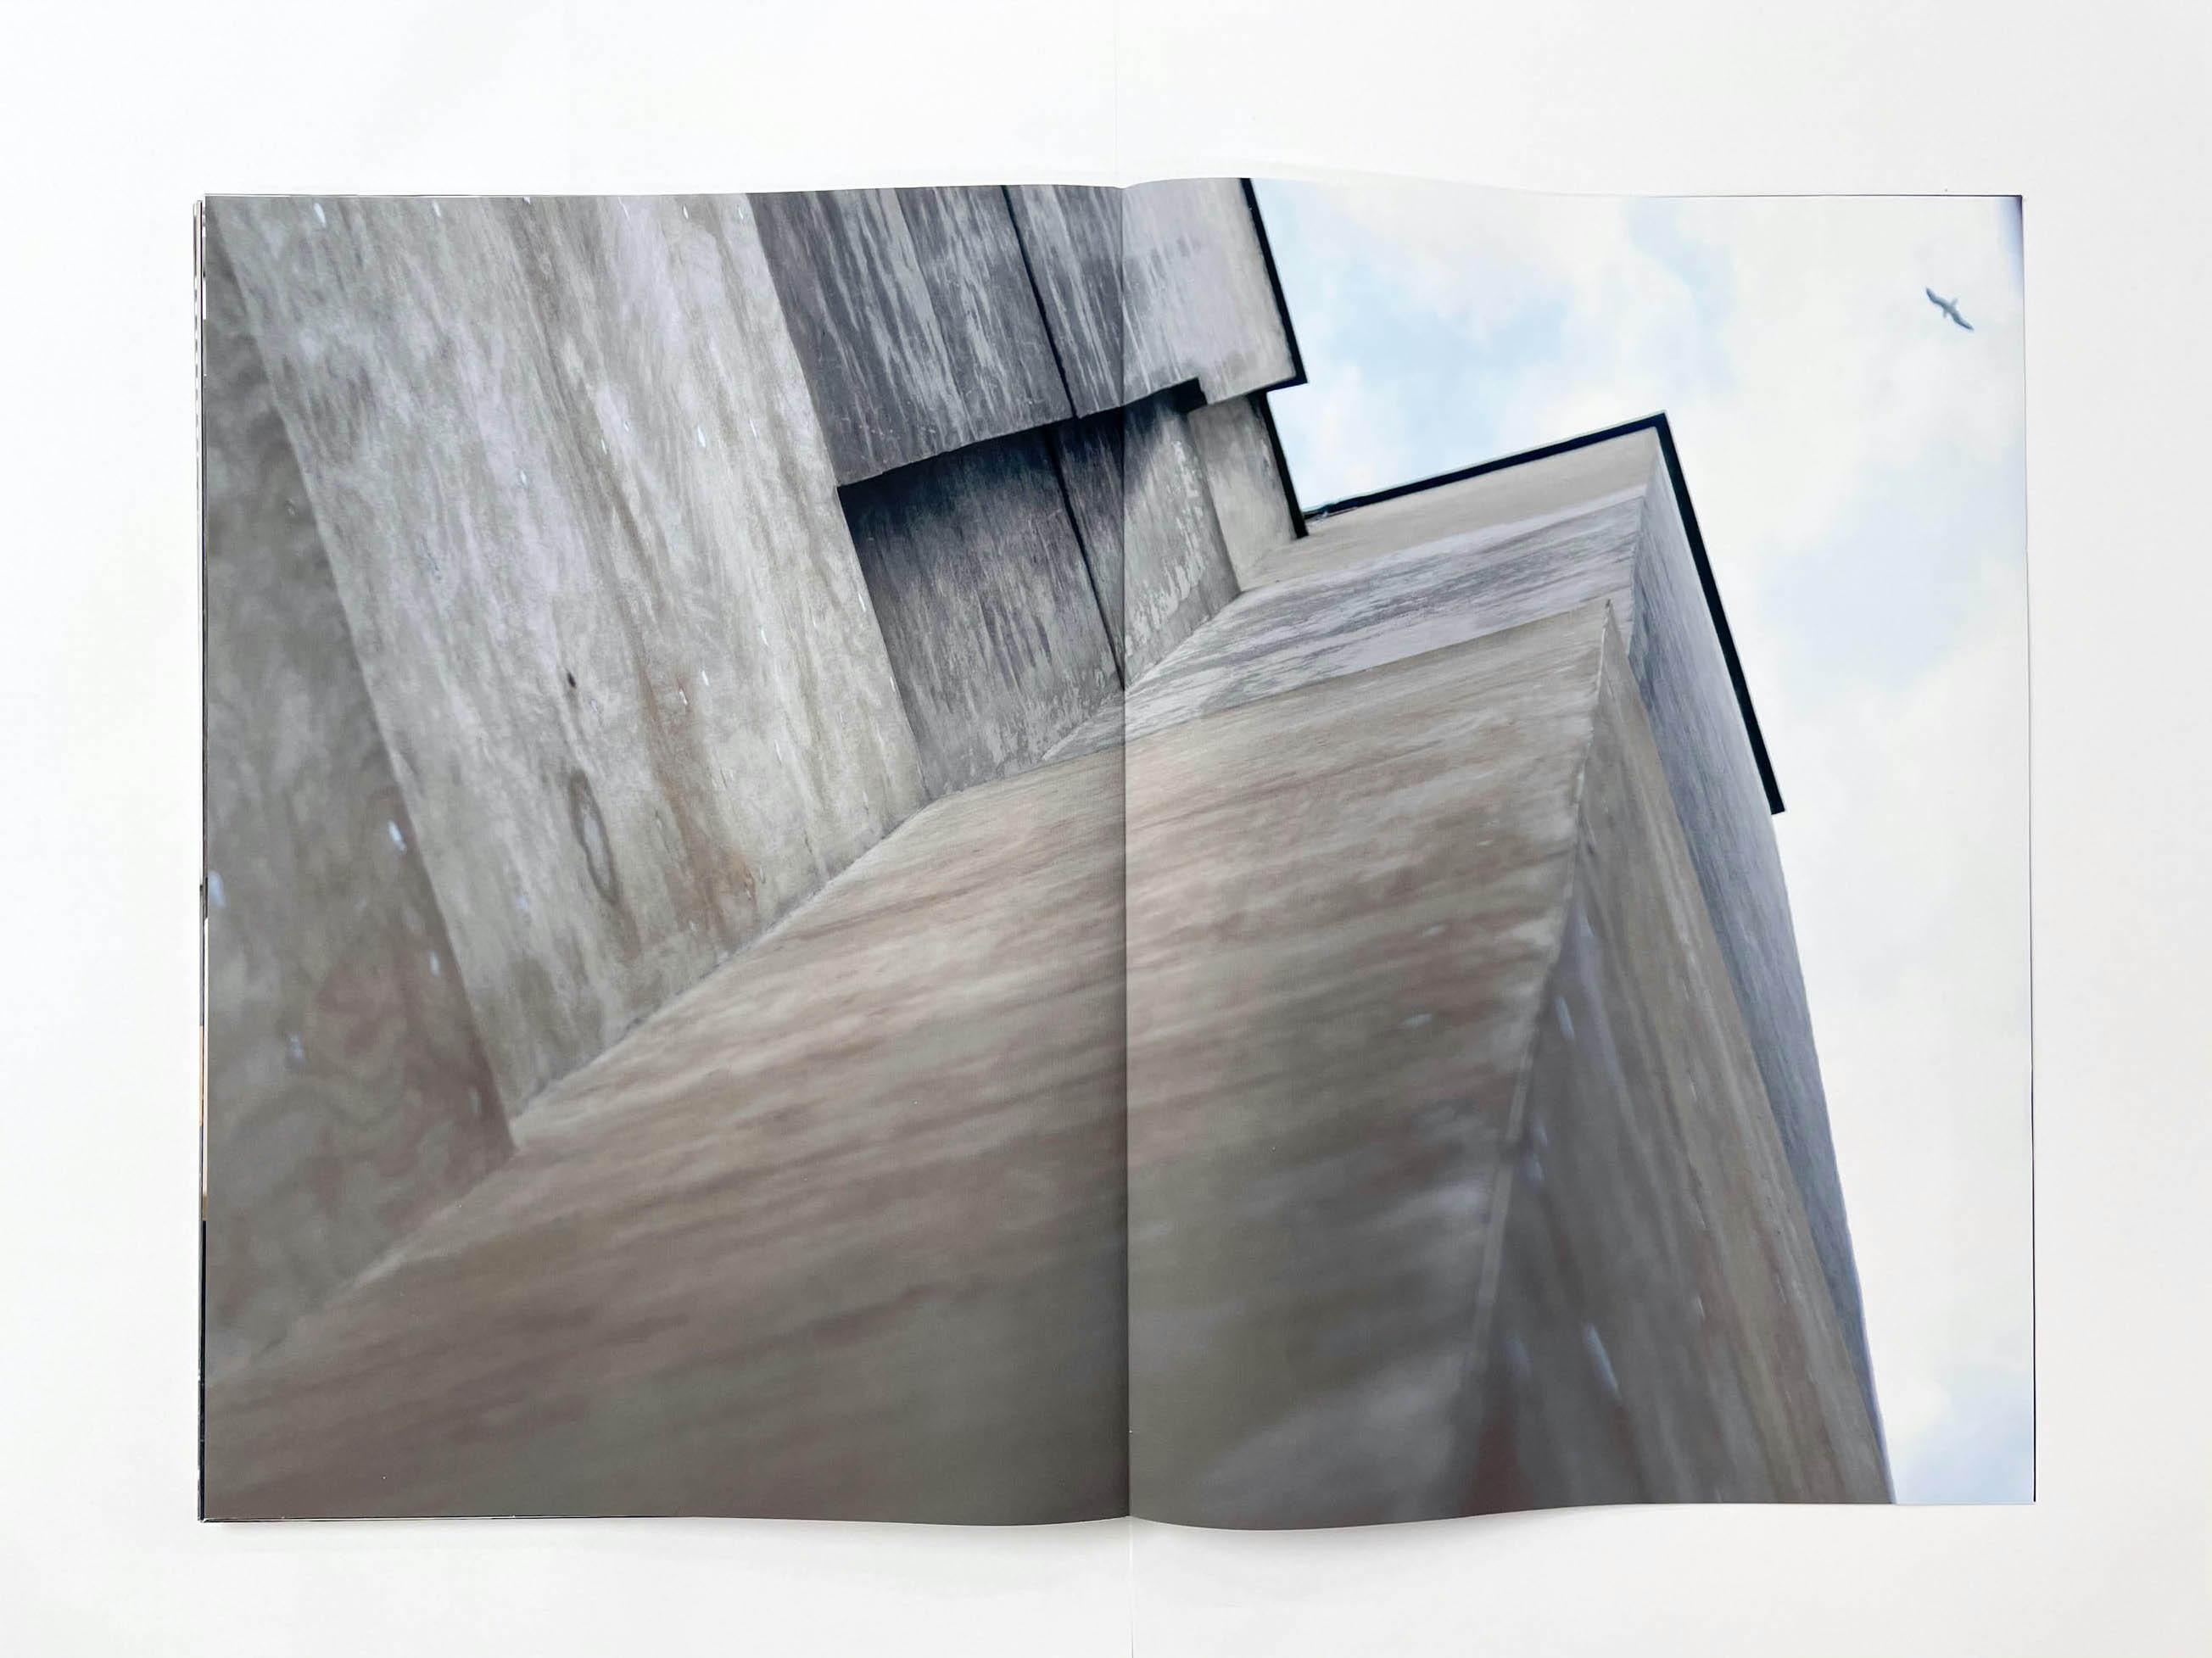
1856, 463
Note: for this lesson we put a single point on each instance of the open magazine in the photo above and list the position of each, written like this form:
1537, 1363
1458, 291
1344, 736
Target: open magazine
825, 899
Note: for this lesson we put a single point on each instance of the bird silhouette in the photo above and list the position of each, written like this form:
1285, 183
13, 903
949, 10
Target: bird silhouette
1949, 309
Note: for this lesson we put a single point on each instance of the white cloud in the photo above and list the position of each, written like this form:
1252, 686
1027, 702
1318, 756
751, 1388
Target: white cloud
1906, 853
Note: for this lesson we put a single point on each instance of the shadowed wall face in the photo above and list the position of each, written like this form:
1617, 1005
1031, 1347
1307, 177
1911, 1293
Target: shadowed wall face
1019, 582
1244, 476
1660, 1332
914, 315
947, 337
580, 515
1138, 493
348, 1093
1175, 571
1717, 794
988, 606
929, 320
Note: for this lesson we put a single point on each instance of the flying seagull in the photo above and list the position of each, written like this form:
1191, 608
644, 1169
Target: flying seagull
1949, 309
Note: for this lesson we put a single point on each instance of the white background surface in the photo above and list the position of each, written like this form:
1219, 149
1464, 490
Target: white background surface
112, 120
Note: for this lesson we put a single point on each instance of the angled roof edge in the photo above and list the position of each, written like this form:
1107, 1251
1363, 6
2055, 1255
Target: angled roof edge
1657, 425
1275, 284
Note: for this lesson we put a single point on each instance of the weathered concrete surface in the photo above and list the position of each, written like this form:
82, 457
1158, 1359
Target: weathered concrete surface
1344, 905
839, 1234
584, 526
1138, 494
566, 460
1439, 565
916, 319
1661, 1330
1071, 235
989, 614
348, 1093
1352, 907
1200, 304
1244, 476
1487, 507
1188, 298
1175, 570
1088, 453
813, 1238
1722, 805
1382, 609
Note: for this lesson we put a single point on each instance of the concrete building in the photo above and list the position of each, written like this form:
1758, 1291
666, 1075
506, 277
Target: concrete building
823, 900
1512, 1186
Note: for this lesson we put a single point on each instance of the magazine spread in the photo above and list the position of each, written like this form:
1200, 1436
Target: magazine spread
825, 899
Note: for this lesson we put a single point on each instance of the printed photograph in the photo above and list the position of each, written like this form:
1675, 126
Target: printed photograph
1262, 854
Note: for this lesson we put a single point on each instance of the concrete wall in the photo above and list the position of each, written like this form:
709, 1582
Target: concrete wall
1199, 301
928, 320
585, 527
1175, 569
1071, 235
1344, 902
1020, 582
1244, 476
1287, 634
575, 463
1137, 491
1189, 296
549, 661
1475, 511
915, 318
348, 1092
934, 328
1723, 809
1089, 454
978, 579
1453, 1181
838, 1235
530, 533
1661, 1330
1489, 551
